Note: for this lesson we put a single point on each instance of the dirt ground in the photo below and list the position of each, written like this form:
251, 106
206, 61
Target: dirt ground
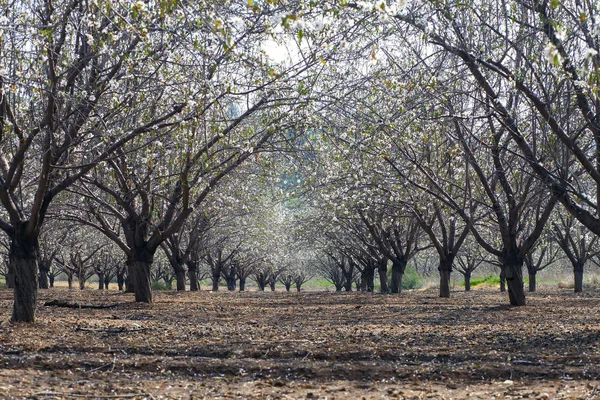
309, 345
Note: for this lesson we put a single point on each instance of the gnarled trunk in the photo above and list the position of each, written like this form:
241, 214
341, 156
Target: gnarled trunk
502, 281
215, 280
81, 280
287, 286
120, 279
143, 280
193, 275
100, 280
24, 264
383, 280
51, 279
338, 287
532, 282
106, 282
44, 268
70, 280
130, 285
445, 269
398, 268
242, 284
514, 279
180, 279
467, 281
578, 275
272, 284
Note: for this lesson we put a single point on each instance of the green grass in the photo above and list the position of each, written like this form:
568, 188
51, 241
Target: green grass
411, 279
318, 283
160, 285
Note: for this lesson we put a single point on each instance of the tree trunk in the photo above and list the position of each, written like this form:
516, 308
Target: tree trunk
398, 268
532, 282
338, 287
445, 269
180, 279
100, 281
578, 274
242, 284
467, 282
193, 275
514, 281
81, 279
130, 285
272, 284
298, 287
70, 280
24, 263
230, 283
348, 284
120, 280
43, 277
51, 279
194, 284
287, 286
383, 279
215, 281
106, 282
502, 281
143, 279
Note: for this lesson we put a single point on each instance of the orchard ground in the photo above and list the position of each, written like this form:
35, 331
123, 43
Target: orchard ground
313, 344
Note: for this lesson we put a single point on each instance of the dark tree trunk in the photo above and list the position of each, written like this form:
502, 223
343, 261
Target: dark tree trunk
215, 281
578, 275
287, 286
298, 287
272, 284
230, 284
180, 279
120, 280
81, 280
51, 279
398, 268
143, 279
106, 282
502, 281
130, 285
467, 281
193, 275
338, 287
514, 280
445, 269
44, 268
100, 281
348, 284
242, 284
383, 280
70, 280
532, 282
23, 261
261, 285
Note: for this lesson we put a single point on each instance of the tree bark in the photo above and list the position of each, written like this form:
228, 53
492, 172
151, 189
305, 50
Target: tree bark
120, 280
180, 279
383, 279
130, 285
338, 287
24, 263
106, 282
70, 280
467, 282
242, 284
43, 277
398, 268
532, 281
215, 281
287, 286
578, 275
81, 280
194, 284
514, 280
100, 281
502, 281
51, 279
272, 284
143, 279
445, 269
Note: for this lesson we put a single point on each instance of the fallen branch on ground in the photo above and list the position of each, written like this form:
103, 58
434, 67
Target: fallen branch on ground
66, 304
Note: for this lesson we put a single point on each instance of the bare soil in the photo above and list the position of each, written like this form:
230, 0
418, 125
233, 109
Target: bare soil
307, 345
